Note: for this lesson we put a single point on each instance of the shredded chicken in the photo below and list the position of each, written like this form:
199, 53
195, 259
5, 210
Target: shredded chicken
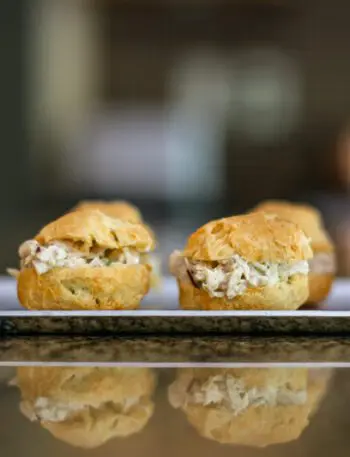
54, 411
59, 254
232, 393
323, 263
232, 277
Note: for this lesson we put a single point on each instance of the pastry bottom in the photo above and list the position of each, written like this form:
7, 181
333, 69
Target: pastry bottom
320, 286
288, 295
108, 288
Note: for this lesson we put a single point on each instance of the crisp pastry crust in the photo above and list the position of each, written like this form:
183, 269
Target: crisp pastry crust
118, 209
91, 229
288, 295
308, 218
257, 237
259, 424
127, 212
320, 287
105, 402
108, 288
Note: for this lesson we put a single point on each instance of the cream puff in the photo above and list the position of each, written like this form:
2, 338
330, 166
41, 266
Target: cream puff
250, 406
323, 264
253, 261
87, 406
85, 260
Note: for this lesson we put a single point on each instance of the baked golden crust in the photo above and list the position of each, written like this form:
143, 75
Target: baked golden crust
118, 209
105, 288
257, 425
308, 218
320, 286
102, 394
91, 229
287, 295
256, 237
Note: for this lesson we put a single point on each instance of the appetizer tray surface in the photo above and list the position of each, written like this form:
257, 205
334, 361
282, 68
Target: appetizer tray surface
160, 314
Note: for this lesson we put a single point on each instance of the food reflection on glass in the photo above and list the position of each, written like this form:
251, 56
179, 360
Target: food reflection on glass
86, 260
254, 261
6, 374
323, 264
250, 406
86, 407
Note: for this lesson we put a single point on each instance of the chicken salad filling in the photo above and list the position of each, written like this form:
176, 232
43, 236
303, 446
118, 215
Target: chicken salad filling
60, 254
230, 278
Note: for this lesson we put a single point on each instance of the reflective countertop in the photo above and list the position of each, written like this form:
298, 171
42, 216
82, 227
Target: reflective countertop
190, 396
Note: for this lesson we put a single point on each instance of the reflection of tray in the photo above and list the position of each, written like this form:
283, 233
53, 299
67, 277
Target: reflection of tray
211, 351
160, 315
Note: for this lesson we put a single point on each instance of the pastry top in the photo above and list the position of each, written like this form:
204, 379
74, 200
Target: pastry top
257, 237
307, 217
118, 209
90, 230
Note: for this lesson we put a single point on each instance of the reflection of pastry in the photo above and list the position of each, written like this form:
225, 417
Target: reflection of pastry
253, 407
6, 374
118, 209
86, 407
127, 212
319, 381
85, 260
255, 261
323, 264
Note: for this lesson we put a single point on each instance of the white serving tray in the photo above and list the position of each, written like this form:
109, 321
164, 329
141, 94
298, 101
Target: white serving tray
160, 314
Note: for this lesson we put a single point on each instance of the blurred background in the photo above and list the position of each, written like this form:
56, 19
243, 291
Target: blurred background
191, 109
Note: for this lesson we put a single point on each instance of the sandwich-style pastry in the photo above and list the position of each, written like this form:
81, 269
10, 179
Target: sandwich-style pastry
85, 260
254, 261
87, 406
127, 212
252, 406
323, 264
118, 209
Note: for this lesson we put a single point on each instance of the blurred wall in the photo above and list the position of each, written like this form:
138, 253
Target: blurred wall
192, 109
14, 182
